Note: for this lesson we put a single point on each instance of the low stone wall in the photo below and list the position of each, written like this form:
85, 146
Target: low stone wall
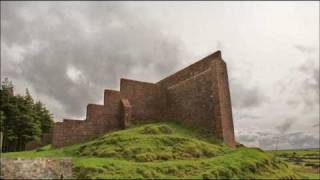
38, 168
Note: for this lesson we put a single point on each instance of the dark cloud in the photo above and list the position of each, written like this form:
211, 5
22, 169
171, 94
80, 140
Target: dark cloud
270, 140
286, 125
244, 96
316, 125
95, 44
309, 89
247, 138
248, 116
303, 88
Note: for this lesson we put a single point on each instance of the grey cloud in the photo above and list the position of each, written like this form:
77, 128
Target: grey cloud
268, 142
309, 89
271, 140
246, 97
247, 138
248, 116
299, 140
102, 41
303, 88
262, 133
316, 125
304, 49
286, 125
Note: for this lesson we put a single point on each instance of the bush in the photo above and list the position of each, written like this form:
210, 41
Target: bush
145, 157
165, 156
106, 153
165, 129
150, 130
193, 150
309, 164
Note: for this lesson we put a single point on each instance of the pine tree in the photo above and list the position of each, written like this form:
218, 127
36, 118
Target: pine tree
21, 119
44, 116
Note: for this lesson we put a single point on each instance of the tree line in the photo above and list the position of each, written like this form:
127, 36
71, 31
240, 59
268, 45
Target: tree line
21, 118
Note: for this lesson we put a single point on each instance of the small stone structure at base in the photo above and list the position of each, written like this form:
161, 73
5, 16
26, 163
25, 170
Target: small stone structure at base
197, 95
36, 168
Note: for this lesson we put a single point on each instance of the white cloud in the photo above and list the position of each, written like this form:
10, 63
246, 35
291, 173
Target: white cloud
75, 75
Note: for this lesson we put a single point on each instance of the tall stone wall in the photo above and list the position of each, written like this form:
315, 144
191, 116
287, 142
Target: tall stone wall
197, 95
111, 108
223, 111
147, 99
190, 101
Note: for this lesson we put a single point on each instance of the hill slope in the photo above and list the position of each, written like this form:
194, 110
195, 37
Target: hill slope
164, 150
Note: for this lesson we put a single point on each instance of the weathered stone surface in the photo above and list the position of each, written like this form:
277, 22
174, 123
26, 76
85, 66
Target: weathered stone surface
197, 95
125, 113
36, 168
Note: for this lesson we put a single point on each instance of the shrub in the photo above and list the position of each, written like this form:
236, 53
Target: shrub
165, 156
309, 164
193, 150
165, 129
150, 130
107, 153
173, 170
145, 157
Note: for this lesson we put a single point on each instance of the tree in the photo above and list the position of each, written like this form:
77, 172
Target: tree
21, 119
44, 116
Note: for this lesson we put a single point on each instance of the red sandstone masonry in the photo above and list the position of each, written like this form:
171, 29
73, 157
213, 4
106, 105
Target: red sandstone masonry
99, 119
224, 118
111, 109
197, 95
146, 98
126, 113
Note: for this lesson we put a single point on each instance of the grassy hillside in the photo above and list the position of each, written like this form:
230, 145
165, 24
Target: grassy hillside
164, 150
306, 162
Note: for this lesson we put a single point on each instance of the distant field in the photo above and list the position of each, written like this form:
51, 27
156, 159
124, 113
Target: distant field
304, 161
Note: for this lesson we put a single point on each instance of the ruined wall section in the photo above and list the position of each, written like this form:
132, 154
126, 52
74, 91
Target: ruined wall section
190, 101
222, 106
147, 100
67, 132
99, 119
125, 113
197, 95
189, 71
112, 110
189, 94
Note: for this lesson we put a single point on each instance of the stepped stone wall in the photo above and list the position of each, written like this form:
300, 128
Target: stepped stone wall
197, 95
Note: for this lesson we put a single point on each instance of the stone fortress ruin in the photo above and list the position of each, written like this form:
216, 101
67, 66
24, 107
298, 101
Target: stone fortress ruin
197, 95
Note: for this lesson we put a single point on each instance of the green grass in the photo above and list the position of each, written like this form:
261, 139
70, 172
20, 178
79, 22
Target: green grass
164, 150
306, 162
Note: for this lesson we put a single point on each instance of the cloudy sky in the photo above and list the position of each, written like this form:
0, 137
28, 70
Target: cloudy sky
67, 53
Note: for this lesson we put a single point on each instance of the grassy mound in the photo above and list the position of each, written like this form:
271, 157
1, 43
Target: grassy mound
150, 143
164, 150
